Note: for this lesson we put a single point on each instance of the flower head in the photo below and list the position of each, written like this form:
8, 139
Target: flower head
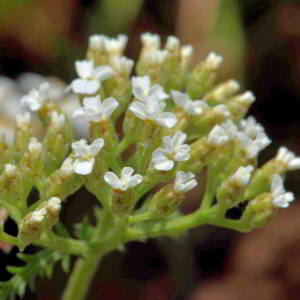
97, 42
250, 127
213, 60
127, 180
142, 89
34, 146
217, 136
54, 205
191, 107
85, 155
184, 182
116, 46
152, 109
156, 57
38, 216
36, 98
122, 64
288, 158
10, 169
172, 43
150, 41
280, 198
96, 110
174, 150
90, 78
57, 120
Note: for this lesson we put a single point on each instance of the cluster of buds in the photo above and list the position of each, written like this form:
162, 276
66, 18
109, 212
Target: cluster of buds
166, 124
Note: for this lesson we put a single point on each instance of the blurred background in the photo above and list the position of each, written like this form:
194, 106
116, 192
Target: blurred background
260, 42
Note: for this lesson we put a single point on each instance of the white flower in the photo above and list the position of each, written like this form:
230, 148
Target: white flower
116, 46
213, 61
217, 136
288, 158
150, 41
152, 109
127, 180
67, 168
186, 54
122, 64
184, 182
38, 215
90, 78
85, 155
142, 89
97, 42
246, 98
191, 107
54, 205
250, 127
36, 98
23, 120
172, 43
96, 110
10, 169
230, 129
174, 150
242, 176
280, 198
34, 146
57, 120
156, 57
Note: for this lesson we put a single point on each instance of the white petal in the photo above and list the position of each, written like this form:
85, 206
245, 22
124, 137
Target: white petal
178, 139
80, 148
166, 119
190, 185
82, 86
84, 167
294, 164
112, 179
96, 146
165, 165
179, 98
79, 113
134, 180
103, 72
182, 156
139, 109
84, 68
138, 93
157, 91
109, 106
92, 103
126, 173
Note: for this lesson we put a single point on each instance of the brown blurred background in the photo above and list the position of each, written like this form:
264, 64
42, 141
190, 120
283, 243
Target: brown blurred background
260, 41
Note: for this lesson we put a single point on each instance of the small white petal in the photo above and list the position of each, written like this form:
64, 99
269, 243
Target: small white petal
103, 72
109, 106
166, 119
82, 86
180, 99
84, 167
96, 146
139, 109
84, 68
134, 180
126, 173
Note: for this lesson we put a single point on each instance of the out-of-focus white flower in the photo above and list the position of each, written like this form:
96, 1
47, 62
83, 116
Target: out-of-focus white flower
96, 110
222, 110
172, 43
116, 46
38, 216
57, 120
34, 146
156, 57
143, 90
213, 61
10, 169
184, 182
36, 97
251, 128
127, 180
191, 107
85, 155
242, 176
217, 136
122, 64
152, 109
97, 42
90, 78
23, 121
246, 98
288, 158
150, 41
186, 54
54, 205
174, 150
280, 198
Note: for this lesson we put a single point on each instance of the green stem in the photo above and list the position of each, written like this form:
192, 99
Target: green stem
81, 277
140, 217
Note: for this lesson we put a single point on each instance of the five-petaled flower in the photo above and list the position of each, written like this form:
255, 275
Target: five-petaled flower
36, 98
96, 110
143, 91
184, 182
90, 77
85, 155
174, 150
280, 198
127, 180
191, 107
152, 109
